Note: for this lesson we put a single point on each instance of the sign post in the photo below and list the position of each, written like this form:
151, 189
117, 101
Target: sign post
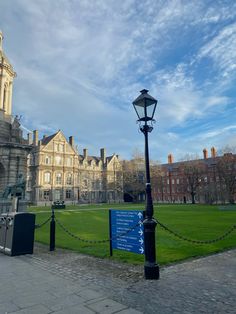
126, 230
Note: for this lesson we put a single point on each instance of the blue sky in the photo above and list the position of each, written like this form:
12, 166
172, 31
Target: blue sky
80, 64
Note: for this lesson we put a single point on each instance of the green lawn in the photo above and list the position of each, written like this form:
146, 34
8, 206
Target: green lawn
198, 222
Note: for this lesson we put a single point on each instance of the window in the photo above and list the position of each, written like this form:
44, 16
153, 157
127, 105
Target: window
68, 193
47, 160
168, 181
61, 148
58, 160
173, 181
58, 178
69, 161
69, 179
57, 195
177, 181
46, 195
47, 177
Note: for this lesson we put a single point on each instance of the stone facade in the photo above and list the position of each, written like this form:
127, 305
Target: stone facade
57, 172
53, 168
14, 149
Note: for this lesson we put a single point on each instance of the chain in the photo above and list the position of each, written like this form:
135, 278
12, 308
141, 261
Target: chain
95, 241
197, 241
42, 224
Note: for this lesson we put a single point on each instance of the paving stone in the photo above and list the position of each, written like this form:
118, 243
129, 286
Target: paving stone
129, 311
79, 309
56, 304
89, 294
8, 307
37, 309
106, 306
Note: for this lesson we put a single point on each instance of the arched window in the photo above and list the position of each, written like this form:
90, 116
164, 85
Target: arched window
58, 178
47, 177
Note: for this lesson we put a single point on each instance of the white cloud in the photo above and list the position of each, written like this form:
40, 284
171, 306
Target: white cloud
221, 49
81, 63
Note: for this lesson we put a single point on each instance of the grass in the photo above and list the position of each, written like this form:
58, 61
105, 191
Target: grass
198, 222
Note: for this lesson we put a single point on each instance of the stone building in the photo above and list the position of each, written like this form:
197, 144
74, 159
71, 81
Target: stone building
57, 172
14, 149
52, 166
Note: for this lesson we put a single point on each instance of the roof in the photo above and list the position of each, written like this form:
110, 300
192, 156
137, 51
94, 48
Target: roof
47, 139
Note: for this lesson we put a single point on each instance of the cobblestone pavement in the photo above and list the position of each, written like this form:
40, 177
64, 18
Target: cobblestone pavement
83, 284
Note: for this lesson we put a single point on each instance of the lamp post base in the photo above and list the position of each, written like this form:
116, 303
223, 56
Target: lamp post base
151, 272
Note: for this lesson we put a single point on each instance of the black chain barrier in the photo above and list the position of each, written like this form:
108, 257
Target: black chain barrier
181, 237
95, 241
42, 224
197, 241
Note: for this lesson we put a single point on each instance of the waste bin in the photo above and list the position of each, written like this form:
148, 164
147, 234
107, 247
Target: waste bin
2, 232
19, 233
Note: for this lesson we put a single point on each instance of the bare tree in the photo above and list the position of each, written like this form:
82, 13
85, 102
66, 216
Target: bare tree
134, 178
226, 168
192, 176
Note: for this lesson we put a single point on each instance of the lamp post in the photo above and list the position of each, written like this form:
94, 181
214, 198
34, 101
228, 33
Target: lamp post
145, 106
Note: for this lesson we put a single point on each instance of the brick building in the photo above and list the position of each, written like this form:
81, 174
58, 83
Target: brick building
211, 179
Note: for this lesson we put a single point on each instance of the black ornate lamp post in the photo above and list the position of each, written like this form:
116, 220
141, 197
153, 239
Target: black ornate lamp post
145, 106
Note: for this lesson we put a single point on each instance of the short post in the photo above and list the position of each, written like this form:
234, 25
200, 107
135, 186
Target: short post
52, 231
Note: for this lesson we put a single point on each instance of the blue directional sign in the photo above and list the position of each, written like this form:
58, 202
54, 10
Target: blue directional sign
126, 230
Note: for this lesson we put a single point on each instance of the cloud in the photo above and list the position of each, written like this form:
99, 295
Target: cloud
81, 63
221, 49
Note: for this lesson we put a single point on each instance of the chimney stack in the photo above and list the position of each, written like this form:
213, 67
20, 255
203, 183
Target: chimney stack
30, 139
170, 159
85, 153
71, 141
213, 152
103, 155
205, 153
35, 137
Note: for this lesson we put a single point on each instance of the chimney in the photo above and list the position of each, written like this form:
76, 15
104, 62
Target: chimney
35, 137
103, 155
71, 141
29, 138
213, 152
85, 153
205, 153
170, 159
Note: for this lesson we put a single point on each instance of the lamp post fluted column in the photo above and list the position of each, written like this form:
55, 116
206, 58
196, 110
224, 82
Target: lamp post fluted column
145, 106
151, 269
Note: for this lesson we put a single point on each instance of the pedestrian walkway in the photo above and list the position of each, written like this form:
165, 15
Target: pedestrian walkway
66, 282
28, 289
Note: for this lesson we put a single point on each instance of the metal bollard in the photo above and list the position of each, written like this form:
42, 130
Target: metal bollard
52, 231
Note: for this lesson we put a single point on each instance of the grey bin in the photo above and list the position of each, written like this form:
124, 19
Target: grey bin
17, 233
3, 228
